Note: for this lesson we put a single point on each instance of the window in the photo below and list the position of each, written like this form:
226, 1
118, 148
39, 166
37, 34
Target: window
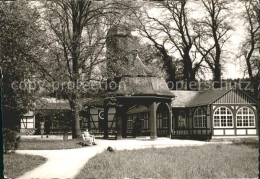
223, 117
245, 117
182, 119
199, 118
130, 122
165, 122
27, 122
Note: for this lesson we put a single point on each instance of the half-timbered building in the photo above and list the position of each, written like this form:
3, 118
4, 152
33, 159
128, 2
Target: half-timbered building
215, 113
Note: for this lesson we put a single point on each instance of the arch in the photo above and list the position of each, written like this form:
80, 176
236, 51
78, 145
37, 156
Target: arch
162, 119
223, 117
138, 123
245, 117
199, 118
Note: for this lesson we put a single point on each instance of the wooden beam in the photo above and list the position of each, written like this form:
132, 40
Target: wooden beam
119, 123
153, 121
106, 122
170, 122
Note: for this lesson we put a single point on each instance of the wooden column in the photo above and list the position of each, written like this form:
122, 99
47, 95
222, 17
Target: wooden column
153, 121
106, 122
88, 119
119, 123
170, 122
211, 121
124, 121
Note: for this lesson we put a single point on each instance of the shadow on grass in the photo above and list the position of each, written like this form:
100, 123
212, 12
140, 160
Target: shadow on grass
250, 142
209, 161
16, 165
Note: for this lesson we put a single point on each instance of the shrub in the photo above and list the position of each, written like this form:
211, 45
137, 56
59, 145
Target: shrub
11, 140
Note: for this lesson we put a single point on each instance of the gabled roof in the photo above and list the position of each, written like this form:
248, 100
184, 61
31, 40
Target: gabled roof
53, 104
56, 104
200, 98
206, 97
183, 98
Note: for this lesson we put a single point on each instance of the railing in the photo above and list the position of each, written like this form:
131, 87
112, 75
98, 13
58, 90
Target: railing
162, 132
191, 132
145, 132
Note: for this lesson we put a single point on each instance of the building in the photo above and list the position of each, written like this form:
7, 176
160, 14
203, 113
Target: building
193, 114
214, 113
138, 103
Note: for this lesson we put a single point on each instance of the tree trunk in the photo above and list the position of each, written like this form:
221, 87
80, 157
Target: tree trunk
76, 132
188, 70
217, 76
256, 90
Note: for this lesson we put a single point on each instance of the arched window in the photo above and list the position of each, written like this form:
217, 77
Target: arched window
223, 117
245, 117
199, 118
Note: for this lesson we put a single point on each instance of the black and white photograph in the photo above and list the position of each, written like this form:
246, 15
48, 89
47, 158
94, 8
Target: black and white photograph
135, 89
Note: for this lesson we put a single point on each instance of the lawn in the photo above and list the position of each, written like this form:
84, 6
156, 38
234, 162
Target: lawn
16, 165
209, 161
37, 144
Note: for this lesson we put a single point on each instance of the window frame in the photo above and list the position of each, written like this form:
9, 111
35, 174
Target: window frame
203, 115
226, 115
241, 108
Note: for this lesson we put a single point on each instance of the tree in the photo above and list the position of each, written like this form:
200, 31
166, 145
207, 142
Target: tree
251, 46
18, 43
176, 27
76, 32
213, 28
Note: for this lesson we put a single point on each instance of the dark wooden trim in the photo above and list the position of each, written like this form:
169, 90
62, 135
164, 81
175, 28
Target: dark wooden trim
106, 108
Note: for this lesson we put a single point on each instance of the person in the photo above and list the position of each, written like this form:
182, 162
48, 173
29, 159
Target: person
87, 135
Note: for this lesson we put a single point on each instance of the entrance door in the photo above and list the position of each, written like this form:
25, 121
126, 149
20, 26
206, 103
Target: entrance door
138, 121
162, 120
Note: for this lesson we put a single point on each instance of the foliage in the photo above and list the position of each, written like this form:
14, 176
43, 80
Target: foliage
16, 165
19, 41
209, 161
75, 39
11, 140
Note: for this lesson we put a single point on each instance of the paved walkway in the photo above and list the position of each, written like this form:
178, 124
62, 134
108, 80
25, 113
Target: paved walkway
67, 163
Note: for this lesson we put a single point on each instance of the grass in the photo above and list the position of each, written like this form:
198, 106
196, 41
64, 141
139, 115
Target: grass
209, 161
16, 165
31, 144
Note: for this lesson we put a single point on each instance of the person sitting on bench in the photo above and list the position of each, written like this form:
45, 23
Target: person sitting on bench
87, 137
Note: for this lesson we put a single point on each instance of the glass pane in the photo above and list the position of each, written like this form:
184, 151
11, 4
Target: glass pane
245, 123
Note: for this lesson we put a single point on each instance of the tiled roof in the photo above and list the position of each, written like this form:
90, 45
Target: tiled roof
54, 106
207, 97
196, 98
183, 98
137, 109
93, 102
143, 86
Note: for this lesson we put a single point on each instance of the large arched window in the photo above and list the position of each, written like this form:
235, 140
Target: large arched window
223, 117
245, 117
199, 118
